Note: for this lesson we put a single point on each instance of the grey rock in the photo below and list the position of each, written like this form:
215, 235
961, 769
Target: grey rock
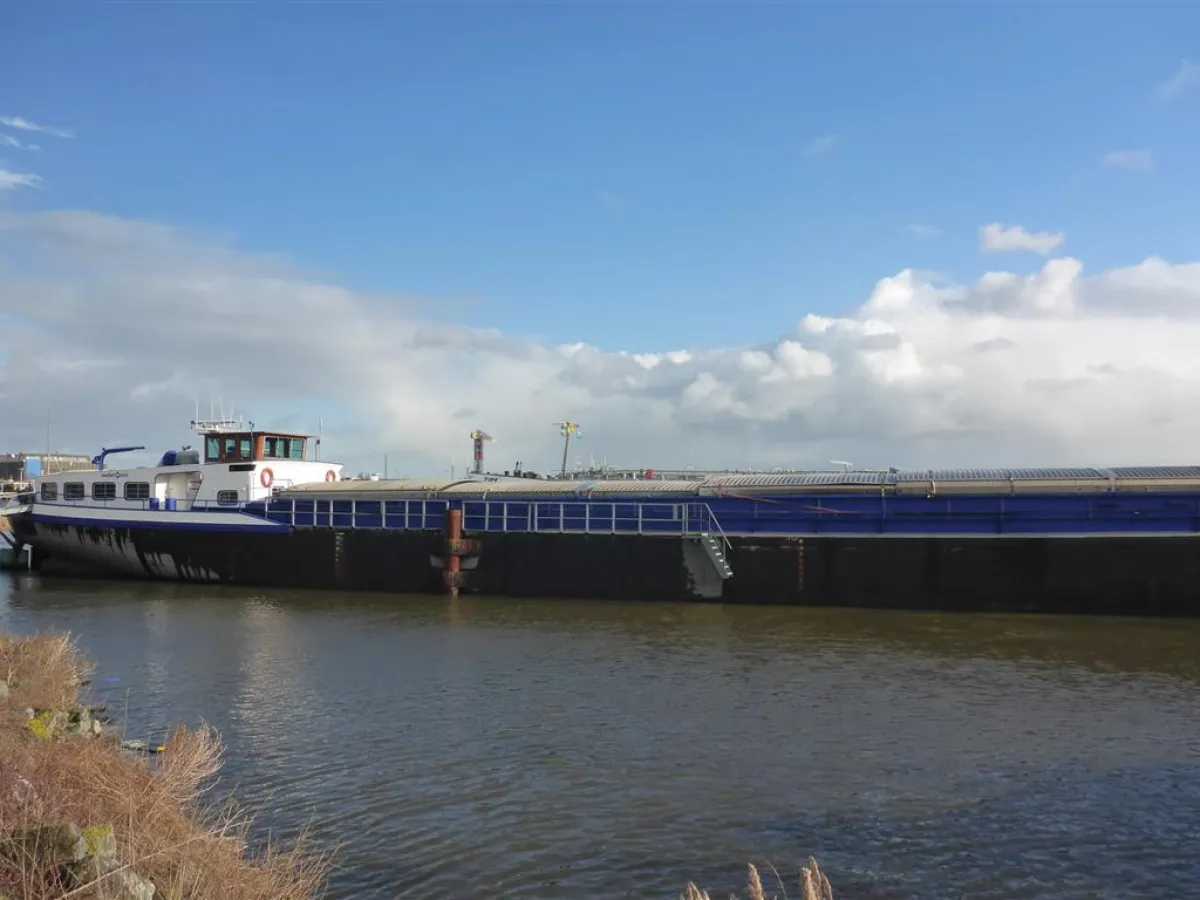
126, 885
60, 843
100, 856
3, 689
101, 841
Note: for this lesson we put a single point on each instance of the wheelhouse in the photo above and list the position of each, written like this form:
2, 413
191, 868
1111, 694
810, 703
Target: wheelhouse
253, 446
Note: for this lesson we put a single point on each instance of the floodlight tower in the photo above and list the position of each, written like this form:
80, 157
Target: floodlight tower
478, 436
567, 430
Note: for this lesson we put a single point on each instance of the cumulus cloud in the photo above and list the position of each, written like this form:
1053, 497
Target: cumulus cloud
117, 327
25, 125
1129, 159
1186, 77
995, 238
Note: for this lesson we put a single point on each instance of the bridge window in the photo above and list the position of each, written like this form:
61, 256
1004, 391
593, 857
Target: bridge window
212, 451
227, 498
297, 448
104, 490
49, 490
137, 490
73, 490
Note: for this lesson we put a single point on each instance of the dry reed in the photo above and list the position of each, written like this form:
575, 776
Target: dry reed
164, 831
813, 886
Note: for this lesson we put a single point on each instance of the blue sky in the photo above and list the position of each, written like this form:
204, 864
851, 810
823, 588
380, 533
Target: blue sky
637, 177
632, 175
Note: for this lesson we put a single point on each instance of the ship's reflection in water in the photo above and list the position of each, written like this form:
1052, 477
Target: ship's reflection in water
488, 747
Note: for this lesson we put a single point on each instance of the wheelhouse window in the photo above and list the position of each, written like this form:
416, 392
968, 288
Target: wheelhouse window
74, 490
227, 498
49, 490
104, 490
283, 448
252, 447
137, 490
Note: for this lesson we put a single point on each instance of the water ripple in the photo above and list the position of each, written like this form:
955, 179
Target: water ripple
548, 750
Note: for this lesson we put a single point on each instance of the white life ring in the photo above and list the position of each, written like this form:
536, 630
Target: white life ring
267, 478
331, 476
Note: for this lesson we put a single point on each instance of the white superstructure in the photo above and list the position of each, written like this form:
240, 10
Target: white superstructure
89, 514
233, 466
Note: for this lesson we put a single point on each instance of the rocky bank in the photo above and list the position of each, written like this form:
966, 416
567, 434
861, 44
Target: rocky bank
83, 815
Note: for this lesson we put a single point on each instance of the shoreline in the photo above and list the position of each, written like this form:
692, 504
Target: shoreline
85, 814
82, 815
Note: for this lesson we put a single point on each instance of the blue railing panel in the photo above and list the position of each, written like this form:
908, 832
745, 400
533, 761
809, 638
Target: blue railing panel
865, 515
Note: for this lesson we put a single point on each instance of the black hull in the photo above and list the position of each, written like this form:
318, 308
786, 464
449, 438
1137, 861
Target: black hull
1151, 576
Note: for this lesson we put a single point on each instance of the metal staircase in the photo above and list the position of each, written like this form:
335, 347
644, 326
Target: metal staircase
714, 548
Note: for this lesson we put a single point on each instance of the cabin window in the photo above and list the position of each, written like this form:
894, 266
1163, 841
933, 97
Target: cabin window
49, 490
227, 498
213, 449
246, 452
137, 490
73, 490
104, 490
297, 448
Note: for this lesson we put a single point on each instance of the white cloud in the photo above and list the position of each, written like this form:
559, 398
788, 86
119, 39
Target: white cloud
25, 125
118, 326
1186, 77
11, 180
826, 143
995, 238
7, 140
923, 232
1129, 159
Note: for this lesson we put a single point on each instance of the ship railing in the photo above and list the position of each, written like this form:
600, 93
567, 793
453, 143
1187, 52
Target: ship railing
505, 516
146, 504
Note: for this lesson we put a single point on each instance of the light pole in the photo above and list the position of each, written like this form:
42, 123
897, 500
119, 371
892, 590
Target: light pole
567, 430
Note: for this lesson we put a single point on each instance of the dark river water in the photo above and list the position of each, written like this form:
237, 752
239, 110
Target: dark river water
485, 748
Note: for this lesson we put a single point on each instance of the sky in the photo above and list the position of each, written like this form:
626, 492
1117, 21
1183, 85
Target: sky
713, 234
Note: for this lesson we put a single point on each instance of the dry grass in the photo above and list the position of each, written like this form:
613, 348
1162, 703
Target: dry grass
163, 829
46, 670
813, 886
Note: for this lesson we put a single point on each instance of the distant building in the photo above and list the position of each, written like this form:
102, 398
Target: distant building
19, 468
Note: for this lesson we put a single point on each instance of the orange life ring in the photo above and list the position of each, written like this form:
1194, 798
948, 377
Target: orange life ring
267, 478
331, 476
